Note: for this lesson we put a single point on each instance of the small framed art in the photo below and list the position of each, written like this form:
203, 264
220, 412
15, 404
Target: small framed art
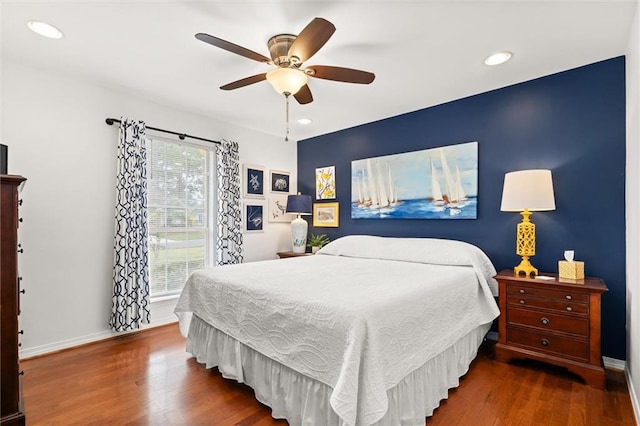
253, 181
277, 209
279, 181
253, 217
326, 183
326, 215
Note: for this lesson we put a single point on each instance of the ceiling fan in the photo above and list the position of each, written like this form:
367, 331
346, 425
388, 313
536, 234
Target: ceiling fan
288, 52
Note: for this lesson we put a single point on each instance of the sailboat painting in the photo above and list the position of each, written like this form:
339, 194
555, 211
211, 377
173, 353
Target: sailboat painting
436, 183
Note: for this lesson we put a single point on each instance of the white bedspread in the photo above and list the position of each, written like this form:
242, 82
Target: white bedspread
358, 325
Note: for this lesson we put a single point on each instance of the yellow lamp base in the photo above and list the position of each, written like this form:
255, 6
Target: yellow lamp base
526, 244
526, 267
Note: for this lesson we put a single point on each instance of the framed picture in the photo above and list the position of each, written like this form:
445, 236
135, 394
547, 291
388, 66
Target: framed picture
253, 217
277, 208
435, 183
253, 181
326, 215
326, 183
279, 181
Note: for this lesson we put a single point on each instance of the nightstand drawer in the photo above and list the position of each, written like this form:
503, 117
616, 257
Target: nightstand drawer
546, 342
517, 289
561, 305
578, 326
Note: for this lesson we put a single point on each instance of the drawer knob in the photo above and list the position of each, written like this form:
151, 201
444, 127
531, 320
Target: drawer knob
544, 342
568, 297
522, 301
522, 291
569, 308
545, 321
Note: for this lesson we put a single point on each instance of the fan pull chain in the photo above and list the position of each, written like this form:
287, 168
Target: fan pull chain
286, 136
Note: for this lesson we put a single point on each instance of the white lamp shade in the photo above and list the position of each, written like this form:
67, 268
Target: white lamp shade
528, 189
287, 80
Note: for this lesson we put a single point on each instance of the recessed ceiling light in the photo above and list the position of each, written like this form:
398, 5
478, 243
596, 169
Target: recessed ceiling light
498, 58
44, 29
304, 120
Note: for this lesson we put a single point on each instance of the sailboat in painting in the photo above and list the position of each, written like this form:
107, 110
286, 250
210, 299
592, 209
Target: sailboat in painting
371, 185
455, 195
382, 192
436, 193
393, 191
360, 199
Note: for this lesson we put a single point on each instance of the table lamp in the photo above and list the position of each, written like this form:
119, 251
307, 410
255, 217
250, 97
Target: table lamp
527, 191
299, 204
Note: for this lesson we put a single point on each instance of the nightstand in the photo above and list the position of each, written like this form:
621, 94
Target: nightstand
285, 254
555, 321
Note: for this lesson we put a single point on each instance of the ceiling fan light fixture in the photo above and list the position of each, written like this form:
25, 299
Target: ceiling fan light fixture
498, 58
287, 80
44, 29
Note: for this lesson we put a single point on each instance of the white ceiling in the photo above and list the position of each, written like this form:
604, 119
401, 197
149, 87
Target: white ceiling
423, 52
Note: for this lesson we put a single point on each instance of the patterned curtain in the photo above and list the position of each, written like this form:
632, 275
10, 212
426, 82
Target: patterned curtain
229, 217
130, 307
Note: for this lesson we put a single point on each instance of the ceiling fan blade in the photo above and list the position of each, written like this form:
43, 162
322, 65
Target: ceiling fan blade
304, 95
245, 82
233, 48
311, 39
347, 75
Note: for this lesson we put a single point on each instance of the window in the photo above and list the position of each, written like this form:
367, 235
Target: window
180, 187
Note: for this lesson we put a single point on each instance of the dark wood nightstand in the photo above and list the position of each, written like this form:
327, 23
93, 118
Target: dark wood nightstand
285, 254
555, 321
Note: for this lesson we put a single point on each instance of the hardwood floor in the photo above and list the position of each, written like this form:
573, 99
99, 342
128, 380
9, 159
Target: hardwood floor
147, 378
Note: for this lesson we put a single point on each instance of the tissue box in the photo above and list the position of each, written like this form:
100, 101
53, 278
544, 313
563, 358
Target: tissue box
573, 270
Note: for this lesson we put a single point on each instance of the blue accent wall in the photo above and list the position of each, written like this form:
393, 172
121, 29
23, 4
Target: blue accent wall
572, 122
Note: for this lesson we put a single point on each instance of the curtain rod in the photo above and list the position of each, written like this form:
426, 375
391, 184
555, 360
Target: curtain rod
181, 136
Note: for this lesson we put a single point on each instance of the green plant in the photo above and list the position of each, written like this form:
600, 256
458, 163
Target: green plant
319, 240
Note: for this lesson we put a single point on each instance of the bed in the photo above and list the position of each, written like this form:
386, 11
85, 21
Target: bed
369, 331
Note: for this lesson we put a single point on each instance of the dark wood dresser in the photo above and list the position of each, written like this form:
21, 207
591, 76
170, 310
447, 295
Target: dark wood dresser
555, 321
11, 412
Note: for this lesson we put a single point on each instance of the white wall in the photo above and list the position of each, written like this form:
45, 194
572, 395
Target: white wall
633, 212
58, 139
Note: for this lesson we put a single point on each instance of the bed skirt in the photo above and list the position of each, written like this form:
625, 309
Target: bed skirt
304, 401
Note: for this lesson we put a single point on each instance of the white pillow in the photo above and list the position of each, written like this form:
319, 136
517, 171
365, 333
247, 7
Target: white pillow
418, 250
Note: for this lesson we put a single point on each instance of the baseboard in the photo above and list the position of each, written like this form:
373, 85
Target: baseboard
634, 397
161, 314
614, 364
